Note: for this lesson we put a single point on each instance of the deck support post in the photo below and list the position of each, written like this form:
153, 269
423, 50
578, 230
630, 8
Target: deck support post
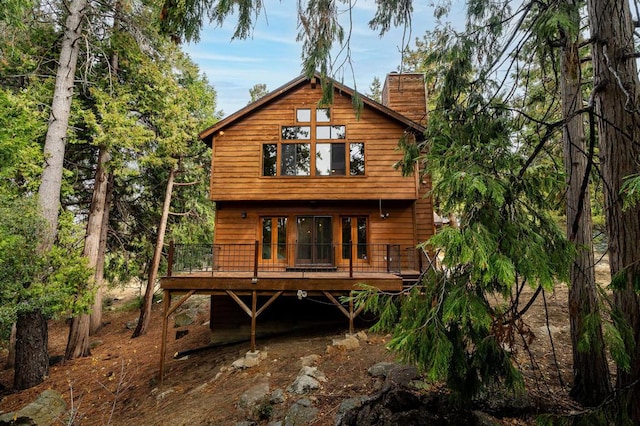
254, 304
255, 260
167, 310
350, 260
350, 314
166, 300
254, 312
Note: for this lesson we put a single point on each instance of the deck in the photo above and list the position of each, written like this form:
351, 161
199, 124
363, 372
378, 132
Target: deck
245, 275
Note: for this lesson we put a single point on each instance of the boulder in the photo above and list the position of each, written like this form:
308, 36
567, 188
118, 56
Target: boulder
253, 396
301, 412
47, 409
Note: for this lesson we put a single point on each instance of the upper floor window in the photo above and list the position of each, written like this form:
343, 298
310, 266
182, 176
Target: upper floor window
316, 156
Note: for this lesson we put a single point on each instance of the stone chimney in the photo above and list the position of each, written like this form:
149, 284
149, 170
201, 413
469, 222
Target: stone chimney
405, 93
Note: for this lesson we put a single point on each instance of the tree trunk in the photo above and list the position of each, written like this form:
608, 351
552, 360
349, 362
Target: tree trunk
32, 359
616, 88
591, 381
145, 309
78, 343
55, 140
96, 312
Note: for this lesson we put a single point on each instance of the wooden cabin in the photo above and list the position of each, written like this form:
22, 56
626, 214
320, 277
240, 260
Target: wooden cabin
308, 200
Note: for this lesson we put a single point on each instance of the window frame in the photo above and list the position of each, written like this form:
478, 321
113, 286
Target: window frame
305, 133
355, 247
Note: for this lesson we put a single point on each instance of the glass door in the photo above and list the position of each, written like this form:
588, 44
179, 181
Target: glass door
314, 240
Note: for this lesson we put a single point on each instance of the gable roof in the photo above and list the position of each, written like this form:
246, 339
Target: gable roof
207, 134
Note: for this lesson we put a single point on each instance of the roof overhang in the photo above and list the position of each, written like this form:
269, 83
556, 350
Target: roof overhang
208, 134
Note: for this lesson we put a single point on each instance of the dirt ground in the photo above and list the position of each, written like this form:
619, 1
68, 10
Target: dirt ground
118, 384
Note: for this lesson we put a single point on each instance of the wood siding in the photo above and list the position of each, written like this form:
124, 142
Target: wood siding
237, 155
240, 224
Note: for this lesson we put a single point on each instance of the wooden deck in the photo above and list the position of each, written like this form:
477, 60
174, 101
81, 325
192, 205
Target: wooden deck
219, 282
272, 285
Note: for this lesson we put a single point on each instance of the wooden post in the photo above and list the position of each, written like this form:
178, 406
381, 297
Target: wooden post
170, 259
351, 316
255, 259
166, 301
254, 305
388, 258
350, 260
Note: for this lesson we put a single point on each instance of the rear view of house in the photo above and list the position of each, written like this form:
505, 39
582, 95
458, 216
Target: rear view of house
308, 199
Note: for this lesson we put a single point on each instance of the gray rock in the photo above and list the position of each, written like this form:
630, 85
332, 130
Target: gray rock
300, 413
381, 369
185, 318
303, 384
275, 423
246, 423
308, 380
254, 395
46, 410
348, 405
309, 360
403, 375
277, 396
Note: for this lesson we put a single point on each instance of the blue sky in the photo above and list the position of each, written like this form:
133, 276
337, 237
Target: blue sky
273, 57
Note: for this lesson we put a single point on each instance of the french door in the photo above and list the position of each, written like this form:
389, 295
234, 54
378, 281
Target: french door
314, 240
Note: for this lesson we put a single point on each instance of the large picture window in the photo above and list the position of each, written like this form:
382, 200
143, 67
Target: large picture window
295, 159
330, 159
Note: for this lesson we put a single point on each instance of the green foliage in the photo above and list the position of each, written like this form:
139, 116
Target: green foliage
32, 281
631, 191
482, 173
21, 127
184, 19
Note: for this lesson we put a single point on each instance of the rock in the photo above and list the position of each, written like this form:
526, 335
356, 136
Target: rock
312, 372
164, 394
350, 404
303, 384
46, 410
131, 325
309, 360
308, 379
251, 359
402, 375
185, 318
246, 423
254, 395
381, 369
361, 335
348, 343
300, 413
277, 396
275, 423
95, 344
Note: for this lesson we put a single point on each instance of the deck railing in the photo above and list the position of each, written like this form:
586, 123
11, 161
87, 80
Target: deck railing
255, 258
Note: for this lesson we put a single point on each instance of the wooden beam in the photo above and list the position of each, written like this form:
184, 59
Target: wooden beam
338, 304
240, 303
269, 302
166, 301
254, 304
180, 302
